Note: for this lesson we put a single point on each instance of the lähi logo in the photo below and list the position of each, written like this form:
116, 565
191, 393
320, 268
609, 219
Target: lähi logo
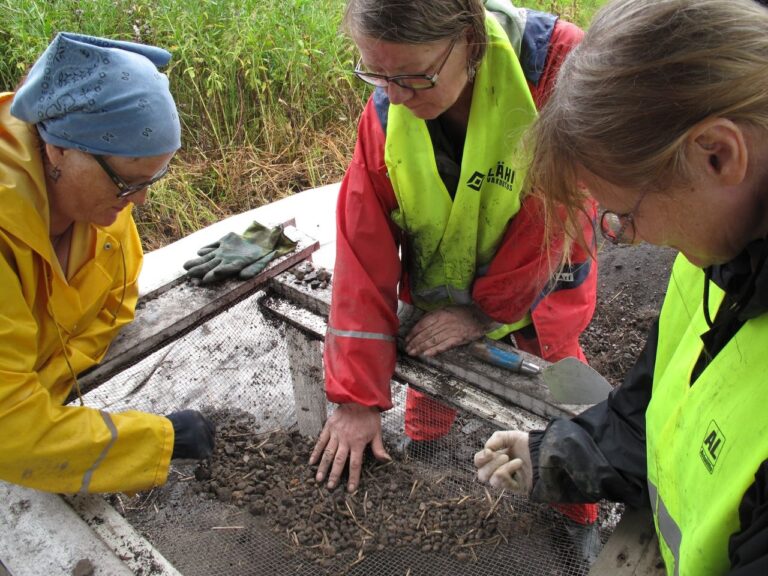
476, 181
501, 175
712, 446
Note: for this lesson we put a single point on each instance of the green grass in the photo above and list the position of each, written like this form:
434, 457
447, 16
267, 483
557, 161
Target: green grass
577, 11
264, 90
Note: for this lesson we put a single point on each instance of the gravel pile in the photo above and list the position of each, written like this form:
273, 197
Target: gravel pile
395, 506
312, 276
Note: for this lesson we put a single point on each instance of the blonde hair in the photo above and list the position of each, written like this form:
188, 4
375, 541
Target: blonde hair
646, 73
418, 21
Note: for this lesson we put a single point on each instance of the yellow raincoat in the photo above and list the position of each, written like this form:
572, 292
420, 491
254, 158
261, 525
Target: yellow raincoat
44, 444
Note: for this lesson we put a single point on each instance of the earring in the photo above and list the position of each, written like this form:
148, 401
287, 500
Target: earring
54, 173
471, 71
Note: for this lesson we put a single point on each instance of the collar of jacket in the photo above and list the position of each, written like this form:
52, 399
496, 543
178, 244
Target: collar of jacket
25, 212
746, 278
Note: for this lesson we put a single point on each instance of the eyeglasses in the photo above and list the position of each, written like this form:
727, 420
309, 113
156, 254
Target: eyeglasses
125, 188
619, 228
410, 81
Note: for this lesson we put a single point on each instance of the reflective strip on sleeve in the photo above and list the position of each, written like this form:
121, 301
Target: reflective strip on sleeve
89, 473
362, 335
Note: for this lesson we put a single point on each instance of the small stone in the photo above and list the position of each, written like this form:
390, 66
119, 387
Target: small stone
202, 473
224, 494
83, 567
260, 489
257, 508
328, 551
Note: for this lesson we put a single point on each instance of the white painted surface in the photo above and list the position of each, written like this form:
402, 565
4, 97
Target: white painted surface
41, 535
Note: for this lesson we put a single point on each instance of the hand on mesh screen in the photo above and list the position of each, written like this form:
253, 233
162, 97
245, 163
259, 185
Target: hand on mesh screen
243, 256
344, 437
193, 435
505, 462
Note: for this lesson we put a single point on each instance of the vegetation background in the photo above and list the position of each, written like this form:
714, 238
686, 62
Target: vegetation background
268, 103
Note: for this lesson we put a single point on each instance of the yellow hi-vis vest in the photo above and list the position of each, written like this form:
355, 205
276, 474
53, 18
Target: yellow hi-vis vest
705, 441
450, 239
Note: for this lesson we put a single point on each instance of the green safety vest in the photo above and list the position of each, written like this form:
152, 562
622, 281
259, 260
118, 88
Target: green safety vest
704, 442
449, 239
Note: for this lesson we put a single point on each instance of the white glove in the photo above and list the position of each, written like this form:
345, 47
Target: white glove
505, 462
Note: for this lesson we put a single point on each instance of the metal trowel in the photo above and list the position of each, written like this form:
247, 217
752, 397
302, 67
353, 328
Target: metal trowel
573, 382
569, 380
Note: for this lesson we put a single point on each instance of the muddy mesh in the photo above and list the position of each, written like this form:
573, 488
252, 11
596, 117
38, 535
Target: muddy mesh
256, 509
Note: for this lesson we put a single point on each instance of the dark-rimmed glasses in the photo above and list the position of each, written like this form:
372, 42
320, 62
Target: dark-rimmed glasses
620, 228
410, 81
125, 188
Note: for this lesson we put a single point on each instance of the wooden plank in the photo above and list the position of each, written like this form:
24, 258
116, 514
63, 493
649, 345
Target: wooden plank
119, 536
294, 290
170, 312
632, 549
305, 361
527, 392
458, 394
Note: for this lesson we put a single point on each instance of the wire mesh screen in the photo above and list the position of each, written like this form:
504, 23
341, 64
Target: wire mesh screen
255, 507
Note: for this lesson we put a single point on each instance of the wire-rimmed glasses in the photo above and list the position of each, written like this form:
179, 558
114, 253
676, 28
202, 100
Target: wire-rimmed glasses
124, 188
410, 81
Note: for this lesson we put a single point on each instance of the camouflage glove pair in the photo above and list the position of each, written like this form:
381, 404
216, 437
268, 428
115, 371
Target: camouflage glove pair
239, 255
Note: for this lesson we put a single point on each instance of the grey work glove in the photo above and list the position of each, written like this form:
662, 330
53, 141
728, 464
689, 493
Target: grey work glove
193, 435
236, 255
505, 462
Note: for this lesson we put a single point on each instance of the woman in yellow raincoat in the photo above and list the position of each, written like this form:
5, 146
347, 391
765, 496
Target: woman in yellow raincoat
91, 127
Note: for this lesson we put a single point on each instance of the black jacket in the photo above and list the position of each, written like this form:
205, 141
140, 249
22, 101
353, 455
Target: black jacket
602, 454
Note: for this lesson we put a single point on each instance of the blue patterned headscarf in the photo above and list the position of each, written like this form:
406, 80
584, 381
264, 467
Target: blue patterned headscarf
101, 96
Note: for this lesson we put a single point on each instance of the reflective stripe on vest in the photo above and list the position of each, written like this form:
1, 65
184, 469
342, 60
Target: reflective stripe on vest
667, 527
704, 441
450, 239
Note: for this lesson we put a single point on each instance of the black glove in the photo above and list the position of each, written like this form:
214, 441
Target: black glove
193, 435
